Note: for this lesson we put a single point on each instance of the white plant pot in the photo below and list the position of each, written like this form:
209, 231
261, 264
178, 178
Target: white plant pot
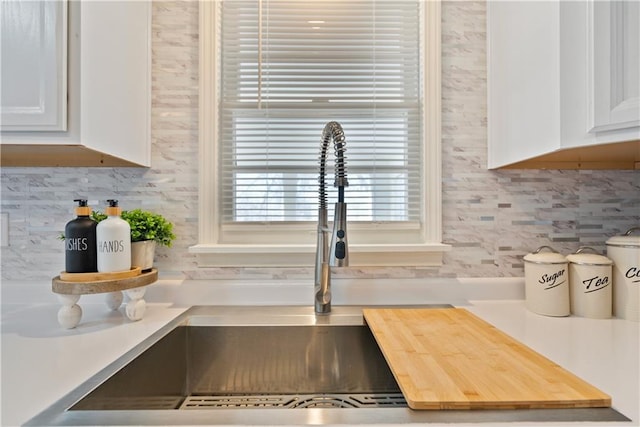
142, 254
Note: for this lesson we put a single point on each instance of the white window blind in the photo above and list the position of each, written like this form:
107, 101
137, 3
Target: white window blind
289, 67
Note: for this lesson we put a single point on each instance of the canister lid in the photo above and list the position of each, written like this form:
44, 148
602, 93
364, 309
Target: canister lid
583, 258
628, 239
545, 255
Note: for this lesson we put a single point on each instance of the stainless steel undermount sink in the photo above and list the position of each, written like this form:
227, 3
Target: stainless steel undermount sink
253, 365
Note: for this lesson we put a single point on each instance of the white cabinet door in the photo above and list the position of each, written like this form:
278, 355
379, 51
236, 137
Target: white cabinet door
616, 51
523, 79
34, 60
108, 94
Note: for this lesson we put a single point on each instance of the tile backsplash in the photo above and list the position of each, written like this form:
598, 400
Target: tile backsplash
491, 218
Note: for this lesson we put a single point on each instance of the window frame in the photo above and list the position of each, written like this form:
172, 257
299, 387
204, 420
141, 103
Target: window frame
249, 245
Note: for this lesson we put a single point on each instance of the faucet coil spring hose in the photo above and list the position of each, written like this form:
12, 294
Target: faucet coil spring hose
333, 131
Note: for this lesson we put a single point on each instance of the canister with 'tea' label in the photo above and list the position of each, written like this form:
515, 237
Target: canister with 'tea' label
590, 284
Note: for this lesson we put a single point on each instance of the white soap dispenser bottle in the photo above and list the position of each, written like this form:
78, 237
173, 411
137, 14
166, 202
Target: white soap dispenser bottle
113, 236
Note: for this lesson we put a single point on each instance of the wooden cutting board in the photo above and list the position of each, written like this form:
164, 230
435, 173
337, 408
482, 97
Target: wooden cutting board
451, 359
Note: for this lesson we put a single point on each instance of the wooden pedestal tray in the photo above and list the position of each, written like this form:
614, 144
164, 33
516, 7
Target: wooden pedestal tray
73, 286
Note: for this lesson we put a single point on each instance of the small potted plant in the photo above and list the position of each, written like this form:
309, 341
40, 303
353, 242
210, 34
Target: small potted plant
147, 230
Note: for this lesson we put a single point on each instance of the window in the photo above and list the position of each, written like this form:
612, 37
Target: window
273, 73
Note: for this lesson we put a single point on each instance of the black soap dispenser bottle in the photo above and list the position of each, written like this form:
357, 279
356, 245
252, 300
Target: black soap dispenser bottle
80, 241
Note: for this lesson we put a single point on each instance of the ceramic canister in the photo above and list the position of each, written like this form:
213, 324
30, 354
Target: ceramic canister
590, 284
546, 282
624, 251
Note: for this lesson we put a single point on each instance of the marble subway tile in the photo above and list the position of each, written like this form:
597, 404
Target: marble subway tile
491, 218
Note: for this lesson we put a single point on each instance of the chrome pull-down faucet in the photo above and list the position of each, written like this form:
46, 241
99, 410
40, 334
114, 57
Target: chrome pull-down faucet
337, 253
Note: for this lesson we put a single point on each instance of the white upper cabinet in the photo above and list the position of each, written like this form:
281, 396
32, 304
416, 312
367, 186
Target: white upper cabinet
108, 93
563, 84
616, 39
34, 65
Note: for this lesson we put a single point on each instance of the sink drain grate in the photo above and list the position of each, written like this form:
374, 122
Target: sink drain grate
375, 400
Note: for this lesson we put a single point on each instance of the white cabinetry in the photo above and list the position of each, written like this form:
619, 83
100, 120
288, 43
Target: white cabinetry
108, 96
616, 39
34, 65
563, 84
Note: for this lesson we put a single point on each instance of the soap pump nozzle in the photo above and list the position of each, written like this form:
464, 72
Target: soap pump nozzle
82, 209
113, 209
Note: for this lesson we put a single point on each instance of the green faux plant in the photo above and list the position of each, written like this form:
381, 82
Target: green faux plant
144, 225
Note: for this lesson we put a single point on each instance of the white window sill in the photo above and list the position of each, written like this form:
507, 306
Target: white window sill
228, 255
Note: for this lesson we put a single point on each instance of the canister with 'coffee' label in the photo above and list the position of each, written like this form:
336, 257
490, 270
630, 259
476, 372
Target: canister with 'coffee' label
547, 282
591, 284
624, 251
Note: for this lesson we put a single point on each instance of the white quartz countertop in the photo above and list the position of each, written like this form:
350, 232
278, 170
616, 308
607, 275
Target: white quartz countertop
41, 362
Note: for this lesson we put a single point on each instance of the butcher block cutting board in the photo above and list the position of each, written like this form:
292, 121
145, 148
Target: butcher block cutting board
451, 359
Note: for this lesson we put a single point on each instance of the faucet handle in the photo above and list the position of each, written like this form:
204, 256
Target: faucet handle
339, 249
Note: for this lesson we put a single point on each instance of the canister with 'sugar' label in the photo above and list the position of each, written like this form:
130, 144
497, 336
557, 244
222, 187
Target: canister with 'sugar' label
546, 278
